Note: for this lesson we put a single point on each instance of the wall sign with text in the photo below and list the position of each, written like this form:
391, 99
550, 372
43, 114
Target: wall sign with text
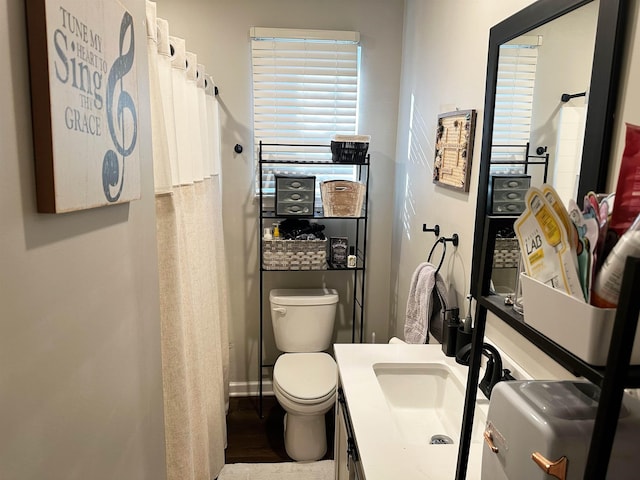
84, 102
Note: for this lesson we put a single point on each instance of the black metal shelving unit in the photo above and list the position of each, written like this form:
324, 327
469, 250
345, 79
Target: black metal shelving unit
526, 161
360, 242
617, 375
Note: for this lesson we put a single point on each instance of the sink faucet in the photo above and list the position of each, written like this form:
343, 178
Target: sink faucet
493, 371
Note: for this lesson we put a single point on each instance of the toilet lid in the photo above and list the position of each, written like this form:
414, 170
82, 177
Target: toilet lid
306, 376
303, 296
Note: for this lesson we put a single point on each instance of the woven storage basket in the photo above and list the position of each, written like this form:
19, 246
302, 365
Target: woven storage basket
506, 253
294, 254
342, 198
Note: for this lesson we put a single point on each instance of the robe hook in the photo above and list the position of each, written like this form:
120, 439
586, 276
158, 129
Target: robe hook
453, 239
435, 229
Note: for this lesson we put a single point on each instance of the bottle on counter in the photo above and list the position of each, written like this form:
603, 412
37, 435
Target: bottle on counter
351, 259
608, 281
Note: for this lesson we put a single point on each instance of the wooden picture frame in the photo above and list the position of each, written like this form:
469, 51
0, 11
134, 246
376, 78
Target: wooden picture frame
454, 149
84, 103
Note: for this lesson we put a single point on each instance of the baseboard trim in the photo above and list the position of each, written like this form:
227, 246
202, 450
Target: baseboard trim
250, 389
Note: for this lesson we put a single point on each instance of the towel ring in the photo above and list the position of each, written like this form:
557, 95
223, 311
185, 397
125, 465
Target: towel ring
444, 252
454, 239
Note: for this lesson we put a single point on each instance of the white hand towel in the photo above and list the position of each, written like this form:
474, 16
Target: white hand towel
395, 340
427, 291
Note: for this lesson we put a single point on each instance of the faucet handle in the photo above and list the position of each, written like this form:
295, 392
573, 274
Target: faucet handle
487, 382
493, 371
463, 355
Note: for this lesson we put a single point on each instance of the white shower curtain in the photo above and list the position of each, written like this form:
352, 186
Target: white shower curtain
192, 270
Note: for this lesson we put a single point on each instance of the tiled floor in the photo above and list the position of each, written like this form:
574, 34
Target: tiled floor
254, 440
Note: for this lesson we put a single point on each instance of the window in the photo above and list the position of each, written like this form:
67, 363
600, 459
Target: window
305, 89
514, 103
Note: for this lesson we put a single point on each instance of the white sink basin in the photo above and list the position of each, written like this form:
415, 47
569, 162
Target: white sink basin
399, 396
426, 402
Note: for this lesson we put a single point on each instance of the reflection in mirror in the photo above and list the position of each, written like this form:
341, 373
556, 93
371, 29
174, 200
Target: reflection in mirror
601, 91
551, 90
538, 132
532, 126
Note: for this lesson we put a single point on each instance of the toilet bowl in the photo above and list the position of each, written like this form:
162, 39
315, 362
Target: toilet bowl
304, 377
305, 387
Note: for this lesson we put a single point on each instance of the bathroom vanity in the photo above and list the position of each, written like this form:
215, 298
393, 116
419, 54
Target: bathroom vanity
399, 412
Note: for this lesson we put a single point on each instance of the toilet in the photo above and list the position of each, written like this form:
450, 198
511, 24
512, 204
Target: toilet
304, 376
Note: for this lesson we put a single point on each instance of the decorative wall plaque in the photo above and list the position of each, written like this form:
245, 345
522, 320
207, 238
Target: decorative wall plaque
84, 98
454, 149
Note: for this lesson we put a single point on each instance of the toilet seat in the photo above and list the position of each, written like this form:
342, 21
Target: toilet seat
305, 378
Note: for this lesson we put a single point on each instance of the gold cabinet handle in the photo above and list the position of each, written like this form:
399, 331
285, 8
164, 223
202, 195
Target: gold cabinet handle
557, 469
488, 438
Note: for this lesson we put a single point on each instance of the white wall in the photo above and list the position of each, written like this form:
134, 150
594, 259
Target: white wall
444, 67
80, 379
218, 31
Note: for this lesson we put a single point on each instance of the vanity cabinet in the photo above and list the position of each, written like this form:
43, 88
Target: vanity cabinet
297, 194
347, 460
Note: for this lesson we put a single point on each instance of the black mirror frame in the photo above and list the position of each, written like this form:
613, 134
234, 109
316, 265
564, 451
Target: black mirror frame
602, 100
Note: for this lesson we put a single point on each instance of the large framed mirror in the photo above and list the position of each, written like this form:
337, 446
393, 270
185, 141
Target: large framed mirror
552, 74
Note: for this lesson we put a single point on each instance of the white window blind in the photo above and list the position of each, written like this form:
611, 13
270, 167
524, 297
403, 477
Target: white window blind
305, 89
514, 103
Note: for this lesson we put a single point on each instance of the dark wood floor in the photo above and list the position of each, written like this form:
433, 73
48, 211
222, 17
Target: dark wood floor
251, 439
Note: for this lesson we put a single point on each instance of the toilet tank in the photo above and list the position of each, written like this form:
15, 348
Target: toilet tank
303, 318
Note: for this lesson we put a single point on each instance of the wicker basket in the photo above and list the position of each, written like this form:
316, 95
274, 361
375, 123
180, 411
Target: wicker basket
294, 254
342, 198
506, 253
